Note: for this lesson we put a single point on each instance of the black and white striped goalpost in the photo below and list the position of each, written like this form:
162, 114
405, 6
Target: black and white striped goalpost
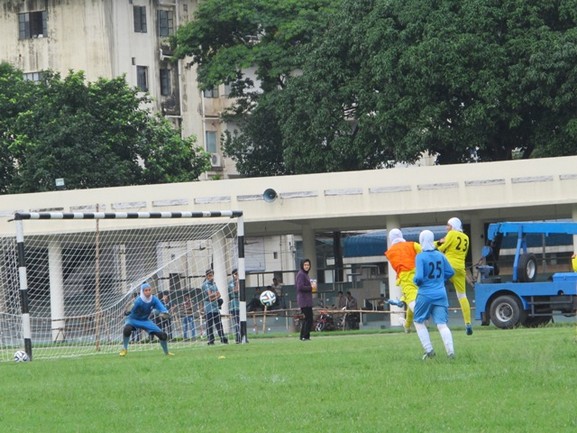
19, 217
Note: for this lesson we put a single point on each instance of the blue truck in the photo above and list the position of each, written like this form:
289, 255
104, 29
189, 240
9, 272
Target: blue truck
523, 301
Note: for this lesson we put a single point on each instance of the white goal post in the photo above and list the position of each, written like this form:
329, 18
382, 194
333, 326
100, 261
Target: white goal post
67, 279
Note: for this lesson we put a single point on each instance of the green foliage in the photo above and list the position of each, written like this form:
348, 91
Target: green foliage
376, 82
269, 38
92, 135
514, 381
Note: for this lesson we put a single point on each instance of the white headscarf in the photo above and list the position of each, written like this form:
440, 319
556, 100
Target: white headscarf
148, 299
395, 236
427, 239
456, 224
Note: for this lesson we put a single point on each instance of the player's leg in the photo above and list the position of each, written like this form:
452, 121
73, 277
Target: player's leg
126, 334
153, 329
440, 315
409, 296
459, 282
163, 338
422, 312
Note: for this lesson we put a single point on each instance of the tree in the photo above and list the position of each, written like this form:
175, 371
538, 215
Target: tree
95, 135
228, 41
14, 97
379, 82
467, 81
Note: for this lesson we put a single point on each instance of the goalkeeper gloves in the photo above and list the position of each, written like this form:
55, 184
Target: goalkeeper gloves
164, 316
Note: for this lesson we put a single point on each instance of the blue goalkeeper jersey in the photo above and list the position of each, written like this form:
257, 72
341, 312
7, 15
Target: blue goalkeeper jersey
141, 310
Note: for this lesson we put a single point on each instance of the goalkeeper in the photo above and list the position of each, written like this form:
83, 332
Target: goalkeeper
138, 318
401, 255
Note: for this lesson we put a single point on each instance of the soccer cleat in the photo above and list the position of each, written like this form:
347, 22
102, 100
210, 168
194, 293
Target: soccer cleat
396, 303
469, 329
169, 354
123, 352
429, 355
451, 356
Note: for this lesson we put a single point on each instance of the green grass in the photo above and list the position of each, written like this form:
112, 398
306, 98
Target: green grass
522, 380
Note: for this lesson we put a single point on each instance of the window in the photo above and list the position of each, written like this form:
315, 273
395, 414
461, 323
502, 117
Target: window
210, 141
211, 93
165, 23
165, 82
32, 25
139, 19
142, 78
33, 76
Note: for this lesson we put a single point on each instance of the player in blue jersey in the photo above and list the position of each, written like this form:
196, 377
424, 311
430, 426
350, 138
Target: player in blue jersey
138, 318
432, 269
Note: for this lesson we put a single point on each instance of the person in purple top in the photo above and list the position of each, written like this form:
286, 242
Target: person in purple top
304, 288
138, 318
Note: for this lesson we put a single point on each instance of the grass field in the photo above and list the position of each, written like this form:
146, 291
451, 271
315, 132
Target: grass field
522, 380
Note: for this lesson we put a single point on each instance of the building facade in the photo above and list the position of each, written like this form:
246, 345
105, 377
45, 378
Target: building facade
111, 38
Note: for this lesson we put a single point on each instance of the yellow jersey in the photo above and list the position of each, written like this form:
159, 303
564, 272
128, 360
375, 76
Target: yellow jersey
455, 248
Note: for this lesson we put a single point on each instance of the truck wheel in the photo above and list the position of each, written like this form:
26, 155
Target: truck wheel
527, 268
506, 312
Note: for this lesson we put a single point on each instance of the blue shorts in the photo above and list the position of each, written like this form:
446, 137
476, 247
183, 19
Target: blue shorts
426, 307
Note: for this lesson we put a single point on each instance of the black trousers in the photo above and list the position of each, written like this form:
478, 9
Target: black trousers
307, 324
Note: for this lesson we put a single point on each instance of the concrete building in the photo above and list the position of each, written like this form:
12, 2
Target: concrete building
111, 38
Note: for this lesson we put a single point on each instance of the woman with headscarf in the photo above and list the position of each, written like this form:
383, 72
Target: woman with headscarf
455, 247
304, 288
432, 269
138, 318
401, 256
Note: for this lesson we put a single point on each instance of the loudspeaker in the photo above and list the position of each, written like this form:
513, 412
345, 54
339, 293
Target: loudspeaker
269, 195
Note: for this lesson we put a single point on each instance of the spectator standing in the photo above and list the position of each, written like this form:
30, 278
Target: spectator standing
353, 318
277, 287
304, 289
234, 304
211, 310
187, 317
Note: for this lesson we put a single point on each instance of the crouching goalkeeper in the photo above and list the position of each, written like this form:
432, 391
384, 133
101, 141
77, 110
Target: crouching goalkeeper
138, 318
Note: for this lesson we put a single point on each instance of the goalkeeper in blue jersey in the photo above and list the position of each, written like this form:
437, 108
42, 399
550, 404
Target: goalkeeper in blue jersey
432, 269
138, 318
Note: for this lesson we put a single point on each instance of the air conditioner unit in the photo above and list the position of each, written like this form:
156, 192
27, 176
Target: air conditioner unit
215, 160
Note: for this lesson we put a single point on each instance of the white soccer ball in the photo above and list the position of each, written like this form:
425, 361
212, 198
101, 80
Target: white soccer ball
267, 298
21, 356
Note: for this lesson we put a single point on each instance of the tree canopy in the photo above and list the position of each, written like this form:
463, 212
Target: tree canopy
370, 83
91, 134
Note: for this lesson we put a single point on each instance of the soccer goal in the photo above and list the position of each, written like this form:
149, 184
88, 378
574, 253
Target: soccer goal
66, 279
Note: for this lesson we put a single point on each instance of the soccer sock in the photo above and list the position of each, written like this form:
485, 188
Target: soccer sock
447, 338
423, 335
164, 346
410, 314
409, 318
465, 307
125, 341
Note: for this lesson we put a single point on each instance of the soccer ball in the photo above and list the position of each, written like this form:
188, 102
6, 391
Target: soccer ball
267, 298
21, 356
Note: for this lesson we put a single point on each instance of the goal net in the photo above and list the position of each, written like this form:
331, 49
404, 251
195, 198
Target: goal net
66, 279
